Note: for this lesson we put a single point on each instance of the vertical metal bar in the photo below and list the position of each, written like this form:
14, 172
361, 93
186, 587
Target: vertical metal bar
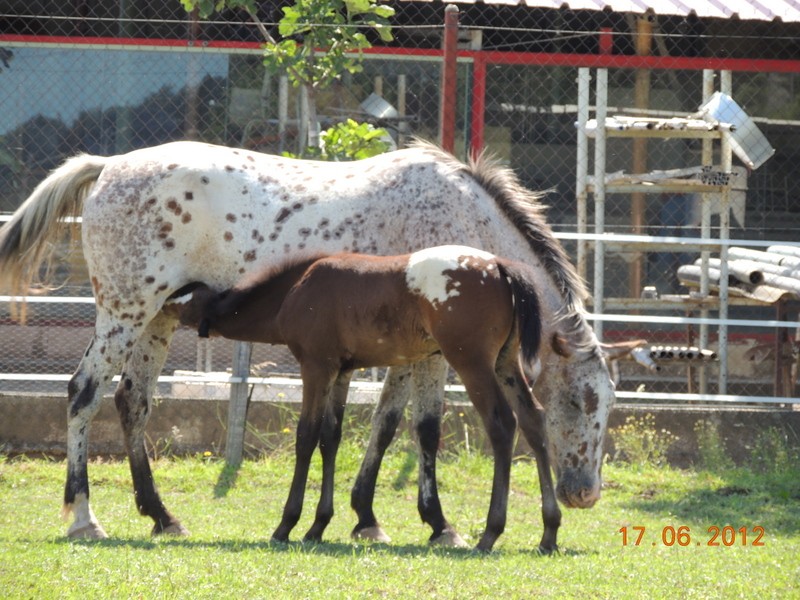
641, 91
191, 129
707, 159
601, 102
237, 408
779, 344
726, 82
582, 159
283, 110
726, 164
402, 126
447, 102
303, 124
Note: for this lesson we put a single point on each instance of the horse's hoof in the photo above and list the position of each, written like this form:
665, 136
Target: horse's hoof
450, 539
548, 550
175, 529
90, 531
374, 534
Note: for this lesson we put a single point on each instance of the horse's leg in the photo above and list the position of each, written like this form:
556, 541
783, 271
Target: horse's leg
133, 399
330, 437
429, 379
101, 360
532, 423
317, 383
387, 415
487, 396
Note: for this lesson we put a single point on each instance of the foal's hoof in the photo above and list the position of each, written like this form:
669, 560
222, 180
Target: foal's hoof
174, 528
277, 540
374, 534
548, 550
90, 531
449, 539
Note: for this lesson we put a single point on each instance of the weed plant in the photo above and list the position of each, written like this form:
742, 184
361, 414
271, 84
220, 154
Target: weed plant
639, 443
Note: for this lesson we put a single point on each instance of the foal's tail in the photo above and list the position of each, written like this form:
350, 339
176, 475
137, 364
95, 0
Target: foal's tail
526, 307
26, 241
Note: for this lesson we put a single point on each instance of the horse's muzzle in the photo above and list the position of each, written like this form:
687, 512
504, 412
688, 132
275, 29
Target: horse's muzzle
576, 495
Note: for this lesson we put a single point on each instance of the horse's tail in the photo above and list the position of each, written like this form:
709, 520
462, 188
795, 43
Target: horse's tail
26, 241
526, 307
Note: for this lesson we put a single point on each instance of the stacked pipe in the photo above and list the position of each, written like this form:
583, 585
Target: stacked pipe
681, 353
778, 267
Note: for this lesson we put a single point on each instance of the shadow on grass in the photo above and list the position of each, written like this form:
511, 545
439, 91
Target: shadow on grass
406, 471
226, 480
744, 500
332, 549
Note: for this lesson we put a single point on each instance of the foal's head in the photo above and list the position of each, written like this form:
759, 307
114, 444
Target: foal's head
193, 306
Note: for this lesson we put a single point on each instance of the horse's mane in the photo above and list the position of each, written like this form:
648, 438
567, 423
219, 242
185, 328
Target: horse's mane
524, 209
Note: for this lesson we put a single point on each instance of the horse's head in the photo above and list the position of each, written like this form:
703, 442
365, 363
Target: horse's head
578, 394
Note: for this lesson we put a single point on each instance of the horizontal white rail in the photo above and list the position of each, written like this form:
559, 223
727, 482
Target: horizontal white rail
624, 238
692, 320
48, 299
616, 318
377, 386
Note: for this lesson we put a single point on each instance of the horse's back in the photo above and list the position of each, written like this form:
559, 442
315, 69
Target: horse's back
358, 310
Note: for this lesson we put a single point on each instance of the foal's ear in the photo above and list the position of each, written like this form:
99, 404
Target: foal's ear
561, 346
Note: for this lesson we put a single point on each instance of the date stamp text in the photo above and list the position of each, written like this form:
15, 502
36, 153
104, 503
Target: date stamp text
683, 535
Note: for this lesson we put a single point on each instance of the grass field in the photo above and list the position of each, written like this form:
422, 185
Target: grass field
231, 516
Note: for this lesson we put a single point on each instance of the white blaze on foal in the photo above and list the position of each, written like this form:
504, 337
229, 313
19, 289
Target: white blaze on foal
426, 273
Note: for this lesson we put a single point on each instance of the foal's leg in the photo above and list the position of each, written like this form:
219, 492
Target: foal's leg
101, 360
387, 415
133, 399
317, 383
429, 378
532, 423
330, 437
487, 396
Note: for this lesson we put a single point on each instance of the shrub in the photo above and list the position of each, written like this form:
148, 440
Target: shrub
710, 447
638, 442
772, 453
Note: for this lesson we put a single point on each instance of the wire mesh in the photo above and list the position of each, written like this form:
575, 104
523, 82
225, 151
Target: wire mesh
108, 77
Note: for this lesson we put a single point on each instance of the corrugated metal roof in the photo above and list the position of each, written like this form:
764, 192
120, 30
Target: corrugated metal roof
760, 10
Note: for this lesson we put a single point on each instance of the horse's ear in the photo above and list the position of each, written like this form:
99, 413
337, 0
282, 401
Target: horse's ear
620, 350
561, 346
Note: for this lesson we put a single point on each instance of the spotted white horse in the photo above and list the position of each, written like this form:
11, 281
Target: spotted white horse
158, 218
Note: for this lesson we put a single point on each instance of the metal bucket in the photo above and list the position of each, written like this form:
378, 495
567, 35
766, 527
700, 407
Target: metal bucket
379, 108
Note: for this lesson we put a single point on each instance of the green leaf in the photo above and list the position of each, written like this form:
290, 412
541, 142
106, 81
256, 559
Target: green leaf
385, 12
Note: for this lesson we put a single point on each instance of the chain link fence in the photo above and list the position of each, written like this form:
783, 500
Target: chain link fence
108, 77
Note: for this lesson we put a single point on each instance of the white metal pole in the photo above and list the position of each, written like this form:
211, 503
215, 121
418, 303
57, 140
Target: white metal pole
402, 126
584, 81
601, 102
726, 164
707, 159
283, 110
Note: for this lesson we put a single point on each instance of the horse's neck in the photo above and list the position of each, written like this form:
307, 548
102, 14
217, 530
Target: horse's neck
248, 312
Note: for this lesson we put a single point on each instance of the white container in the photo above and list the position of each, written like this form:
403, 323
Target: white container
747, 141
379, 108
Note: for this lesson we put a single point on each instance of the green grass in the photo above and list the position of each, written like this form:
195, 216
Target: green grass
231, 516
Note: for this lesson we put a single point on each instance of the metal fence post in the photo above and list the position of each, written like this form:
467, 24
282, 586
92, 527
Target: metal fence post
447, 111
237, 409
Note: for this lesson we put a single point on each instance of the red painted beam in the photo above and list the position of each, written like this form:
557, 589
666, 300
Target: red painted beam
449, 88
